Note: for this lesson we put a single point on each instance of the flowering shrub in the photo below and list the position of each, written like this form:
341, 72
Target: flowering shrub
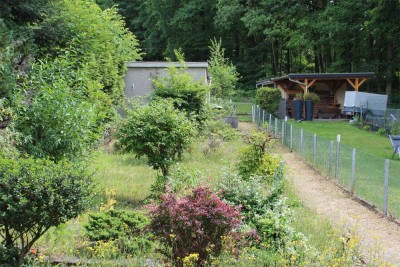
194, 224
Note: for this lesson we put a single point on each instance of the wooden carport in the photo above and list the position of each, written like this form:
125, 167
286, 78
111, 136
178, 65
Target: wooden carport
333, 80
331, 97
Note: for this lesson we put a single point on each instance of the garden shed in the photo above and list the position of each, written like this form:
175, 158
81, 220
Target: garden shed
140, 75
330, 87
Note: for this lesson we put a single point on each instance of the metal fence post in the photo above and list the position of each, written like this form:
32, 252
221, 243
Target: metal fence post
252, 113
259, 115
291, 137
315, 151
301, 143
276, 127
386, 189
353, 171
270, 122
283, 132
263, 120
337, 155
331, 160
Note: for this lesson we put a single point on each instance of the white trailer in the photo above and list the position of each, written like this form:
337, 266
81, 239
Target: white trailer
359, 102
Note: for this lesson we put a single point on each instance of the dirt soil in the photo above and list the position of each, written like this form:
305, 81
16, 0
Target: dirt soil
379, 237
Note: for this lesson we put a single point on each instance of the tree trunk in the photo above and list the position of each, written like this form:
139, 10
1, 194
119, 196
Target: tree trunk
389, 68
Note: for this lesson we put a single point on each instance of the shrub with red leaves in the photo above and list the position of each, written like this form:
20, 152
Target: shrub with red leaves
193, 224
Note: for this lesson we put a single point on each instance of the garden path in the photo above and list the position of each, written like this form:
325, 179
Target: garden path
379, 238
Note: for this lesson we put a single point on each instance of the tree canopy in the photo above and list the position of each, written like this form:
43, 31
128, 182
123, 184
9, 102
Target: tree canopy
269, 38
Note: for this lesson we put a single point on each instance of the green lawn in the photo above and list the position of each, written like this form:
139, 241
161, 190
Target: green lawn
243, 110
368, 142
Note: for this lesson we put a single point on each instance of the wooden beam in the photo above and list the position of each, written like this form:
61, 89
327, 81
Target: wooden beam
362, 81
302, 86
352, 84
311, 83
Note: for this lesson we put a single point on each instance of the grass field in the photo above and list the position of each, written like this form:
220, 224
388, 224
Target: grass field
243, 111
368, 142
130, 179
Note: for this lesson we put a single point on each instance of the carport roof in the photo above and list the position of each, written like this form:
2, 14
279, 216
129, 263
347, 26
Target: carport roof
306, 80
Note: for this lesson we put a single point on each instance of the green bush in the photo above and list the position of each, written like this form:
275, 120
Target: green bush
56, 119
382, 131
187, 95
223, 72
366, 128
125, 228
268, 99
312, 96
394, 128
254, 159
357, 122
157, 131
93, 38
252, 195
223, 130
36, 195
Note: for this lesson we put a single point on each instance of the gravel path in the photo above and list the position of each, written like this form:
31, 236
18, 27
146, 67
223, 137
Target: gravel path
379, 238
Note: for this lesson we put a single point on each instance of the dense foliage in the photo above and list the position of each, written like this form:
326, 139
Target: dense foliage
268, 99
223, 73
55, 121
194, 224
271, 38
179, 87
99, 41
158, 131
36, 195
126, 229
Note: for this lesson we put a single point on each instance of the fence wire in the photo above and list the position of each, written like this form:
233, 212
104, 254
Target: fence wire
359, 173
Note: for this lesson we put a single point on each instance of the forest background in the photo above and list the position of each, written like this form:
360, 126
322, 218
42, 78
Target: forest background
263, 38
271, 38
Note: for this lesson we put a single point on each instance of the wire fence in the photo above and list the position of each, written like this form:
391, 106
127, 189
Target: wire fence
372, 179
386, 119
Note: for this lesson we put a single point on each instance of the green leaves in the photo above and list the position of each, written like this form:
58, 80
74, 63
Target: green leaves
223, 72
187, 95
158, 131
269, 99
36, 195
57, 122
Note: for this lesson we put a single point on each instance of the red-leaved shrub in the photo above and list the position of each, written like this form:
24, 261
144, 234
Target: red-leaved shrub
194, 224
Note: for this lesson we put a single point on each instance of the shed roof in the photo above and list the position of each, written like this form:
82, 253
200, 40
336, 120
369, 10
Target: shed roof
165, 64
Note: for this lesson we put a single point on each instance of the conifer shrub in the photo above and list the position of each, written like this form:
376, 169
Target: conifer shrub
127, 230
